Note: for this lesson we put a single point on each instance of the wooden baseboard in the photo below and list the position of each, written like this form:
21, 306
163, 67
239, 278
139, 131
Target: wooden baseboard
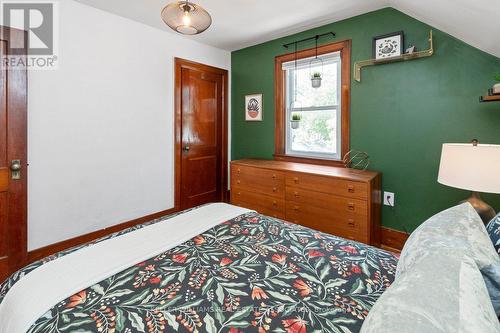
57, 247
393, 240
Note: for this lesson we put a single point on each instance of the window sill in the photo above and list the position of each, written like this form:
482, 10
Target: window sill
309, 160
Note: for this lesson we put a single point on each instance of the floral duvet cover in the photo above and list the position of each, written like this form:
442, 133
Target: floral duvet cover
250, 274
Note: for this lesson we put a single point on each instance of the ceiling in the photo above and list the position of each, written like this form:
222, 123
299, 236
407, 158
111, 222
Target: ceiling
241, 23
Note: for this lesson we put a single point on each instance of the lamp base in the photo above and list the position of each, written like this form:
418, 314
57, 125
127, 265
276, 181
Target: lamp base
485, 211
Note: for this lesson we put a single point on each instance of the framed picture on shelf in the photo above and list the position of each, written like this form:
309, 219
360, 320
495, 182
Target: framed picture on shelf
388, 45
253, 107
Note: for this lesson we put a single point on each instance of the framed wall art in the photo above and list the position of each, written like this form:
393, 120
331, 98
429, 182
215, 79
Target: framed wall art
388, 45
253, 107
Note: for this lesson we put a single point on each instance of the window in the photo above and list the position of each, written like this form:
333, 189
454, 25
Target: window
323, 133
319, 130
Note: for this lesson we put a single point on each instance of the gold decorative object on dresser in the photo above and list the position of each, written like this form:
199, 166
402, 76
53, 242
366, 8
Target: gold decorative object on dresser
338, 201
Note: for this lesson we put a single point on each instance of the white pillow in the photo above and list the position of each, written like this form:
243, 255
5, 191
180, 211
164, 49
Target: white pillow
441, 293
458, 230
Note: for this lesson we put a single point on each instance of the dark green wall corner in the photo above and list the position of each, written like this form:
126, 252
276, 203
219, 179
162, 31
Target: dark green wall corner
401, 113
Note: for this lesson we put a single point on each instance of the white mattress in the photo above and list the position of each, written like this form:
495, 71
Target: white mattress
37, 292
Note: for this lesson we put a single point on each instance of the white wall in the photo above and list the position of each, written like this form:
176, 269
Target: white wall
101, 126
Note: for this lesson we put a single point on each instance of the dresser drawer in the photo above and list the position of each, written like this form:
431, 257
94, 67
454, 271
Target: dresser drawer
261, 208
326, 220
271, 203
268, 182
327, 185
336, 205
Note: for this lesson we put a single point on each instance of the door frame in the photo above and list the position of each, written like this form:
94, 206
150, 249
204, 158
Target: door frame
179, 65
17, 147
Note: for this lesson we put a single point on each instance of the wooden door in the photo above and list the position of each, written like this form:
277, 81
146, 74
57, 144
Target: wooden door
13, 244
202, 134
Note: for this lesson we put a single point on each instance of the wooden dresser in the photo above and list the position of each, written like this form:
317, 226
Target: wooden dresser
338, 201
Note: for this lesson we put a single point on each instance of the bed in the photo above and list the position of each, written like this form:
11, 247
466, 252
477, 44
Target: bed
216, 268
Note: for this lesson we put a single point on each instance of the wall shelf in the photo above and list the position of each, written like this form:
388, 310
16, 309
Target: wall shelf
404, 57
486, 98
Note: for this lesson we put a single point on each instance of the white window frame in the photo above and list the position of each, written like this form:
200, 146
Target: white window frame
289, 68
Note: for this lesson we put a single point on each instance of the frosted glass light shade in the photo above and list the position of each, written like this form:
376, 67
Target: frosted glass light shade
186, 17
469, 167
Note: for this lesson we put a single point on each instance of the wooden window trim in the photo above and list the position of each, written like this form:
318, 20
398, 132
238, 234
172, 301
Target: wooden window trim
280, 94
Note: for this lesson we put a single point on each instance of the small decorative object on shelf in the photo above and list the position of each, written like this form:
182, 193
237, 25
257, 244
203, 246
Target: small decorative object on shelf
388, 45
496, 87
411, 49
356, 160
316, 80
493, 93
393, 58
295, 121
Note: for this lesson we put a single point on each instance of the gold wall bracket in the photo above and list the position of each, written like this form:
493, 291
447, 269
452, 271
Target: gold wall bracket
358, 65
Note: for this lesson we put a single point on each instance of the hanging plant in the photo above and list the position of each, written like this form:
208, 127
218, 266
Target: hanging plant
295, 121
316, 80
316, 69
295, 105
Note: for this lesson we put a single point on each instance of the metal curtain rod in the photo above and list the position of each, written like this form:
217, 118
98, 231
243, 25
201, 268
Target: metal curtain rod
310, 38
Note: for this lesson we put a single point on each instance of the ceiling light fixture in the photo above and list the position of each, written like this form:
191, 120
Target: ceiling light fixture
186, 17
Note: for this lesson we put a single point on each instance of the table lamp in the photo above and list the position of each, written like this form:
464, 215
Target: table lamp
474, 167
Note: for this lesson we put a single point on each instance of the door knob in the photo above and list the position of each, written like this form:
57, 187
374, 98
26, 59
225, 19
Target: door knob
186, 149
15, 168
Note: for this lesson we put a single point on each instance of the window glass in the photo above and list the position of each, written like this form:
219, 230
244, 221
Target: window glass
318, 132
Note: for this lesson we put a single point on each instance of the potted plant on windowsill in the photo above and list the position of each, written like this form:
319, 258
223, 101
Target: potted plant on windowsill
316, 80
295, 121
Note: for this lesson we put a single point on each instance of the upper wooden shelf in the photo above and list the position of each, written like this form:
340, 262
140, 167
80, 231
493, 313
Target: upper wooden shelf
404, 57
486, 98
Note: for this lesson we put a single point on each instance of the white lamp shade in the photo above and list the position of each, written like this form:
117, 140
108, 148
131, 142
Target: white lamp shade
469, 167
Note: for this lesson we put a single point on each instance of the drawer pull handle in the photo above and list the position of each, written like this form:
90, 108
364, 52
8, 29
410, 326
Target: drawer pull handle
296, 208
275, 189
239, 193
275, 204
238, 182
350, 189
296, 180
351, 223
351, 206
296, 194
239, 170
274, 176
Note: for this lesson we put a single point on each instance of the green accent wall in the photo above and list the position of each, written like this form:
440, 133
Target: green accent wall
401, 113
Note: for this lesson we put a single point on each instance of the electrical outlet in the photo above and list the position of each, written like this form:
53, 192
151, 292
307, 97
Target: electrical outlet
389, 199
